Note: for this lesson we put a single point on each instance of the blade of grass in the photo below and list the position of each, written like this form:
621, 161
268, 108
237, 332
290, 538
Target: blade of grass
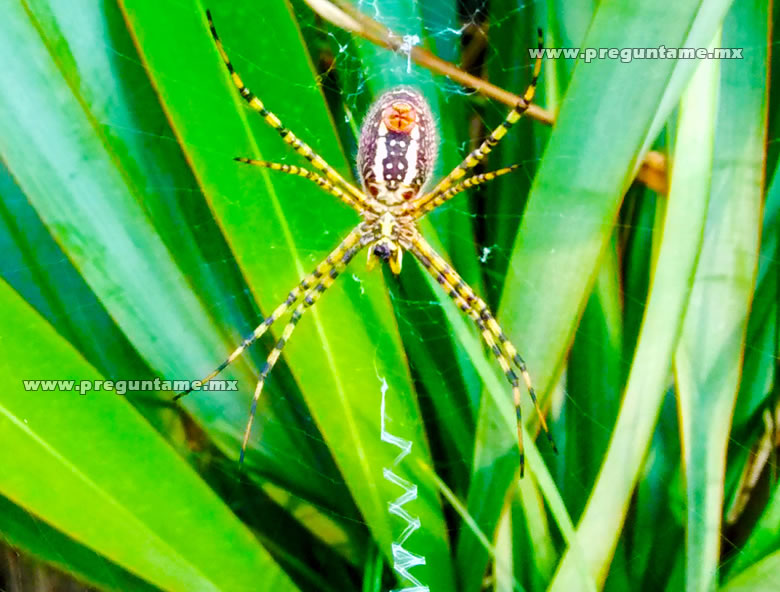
762, 575
764, 537
605, 512
512, 31
22, 530
654, 535
594, 366
708, 361
531, 535
759, 372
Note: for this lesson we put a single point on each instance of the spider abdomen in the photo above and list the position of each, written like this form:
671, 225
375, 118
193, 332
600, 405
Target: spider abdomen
398, 144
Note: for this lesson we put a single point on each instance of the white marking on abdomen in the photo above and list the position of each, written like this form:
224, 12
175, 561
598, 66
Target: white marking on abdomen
411, 156
380, 154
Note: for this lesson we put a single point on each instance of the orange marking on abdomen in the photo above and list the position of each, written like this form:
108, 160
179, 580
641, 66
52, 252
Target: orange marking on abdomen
400, 116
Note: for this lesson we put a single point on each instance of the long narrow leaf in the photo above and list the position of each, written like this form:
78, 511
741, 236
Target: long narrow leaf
708, 361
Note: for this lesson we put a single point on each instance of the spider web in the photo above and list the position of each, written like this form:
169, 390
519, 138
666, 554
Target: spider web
476, 233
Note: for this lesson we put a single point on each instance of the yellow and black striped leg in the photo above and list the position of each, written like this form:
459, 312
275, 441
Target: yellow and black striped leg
478, 155
441, 276
482, 312
325, 267
468, 183
493, 335
511, 377
312, 295
290, 138
306, 174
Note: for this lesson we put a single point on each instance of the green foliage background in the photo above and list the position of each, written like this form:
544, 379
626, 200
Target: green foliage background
134, 247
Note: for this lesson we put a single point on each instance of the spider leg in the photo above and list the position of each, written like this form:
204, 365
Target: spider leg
491, 331
326, 266
467, 183
479, 154
312, 295
290, 138
306, 174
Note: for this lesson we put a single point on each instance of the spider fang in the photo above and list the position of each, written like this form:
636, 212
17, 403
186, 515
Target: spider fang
387, 251
383, 251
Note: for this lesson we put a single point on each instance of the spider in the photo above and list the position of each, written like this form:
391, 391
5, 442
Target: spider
396, 155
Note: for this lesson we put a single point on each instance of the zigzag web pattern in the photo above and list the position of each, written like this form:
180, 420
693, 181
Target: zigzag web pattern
403, 560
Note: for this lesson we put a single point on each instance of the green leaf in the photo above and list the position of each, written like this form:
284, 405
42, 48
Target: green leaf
23, 530
574, 201
708, 361
764, 538
106, 463
668, 299
759, 576
594, 366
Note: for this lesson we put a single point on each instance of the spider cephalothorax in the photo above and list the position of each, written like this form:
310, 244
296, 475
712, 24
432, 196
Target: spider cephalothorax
396, 156
387, 235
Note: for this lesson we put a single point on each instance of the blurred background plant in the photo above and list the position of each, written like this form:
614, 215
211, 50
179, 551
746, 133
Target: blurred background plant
632, 258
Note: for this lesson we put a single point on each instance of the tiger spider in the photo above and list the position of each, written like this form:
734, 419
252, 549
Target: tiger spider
396, 154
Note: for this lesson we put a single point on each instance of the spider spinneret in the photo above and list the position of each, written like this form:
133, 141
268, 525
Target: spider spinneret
396, 155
